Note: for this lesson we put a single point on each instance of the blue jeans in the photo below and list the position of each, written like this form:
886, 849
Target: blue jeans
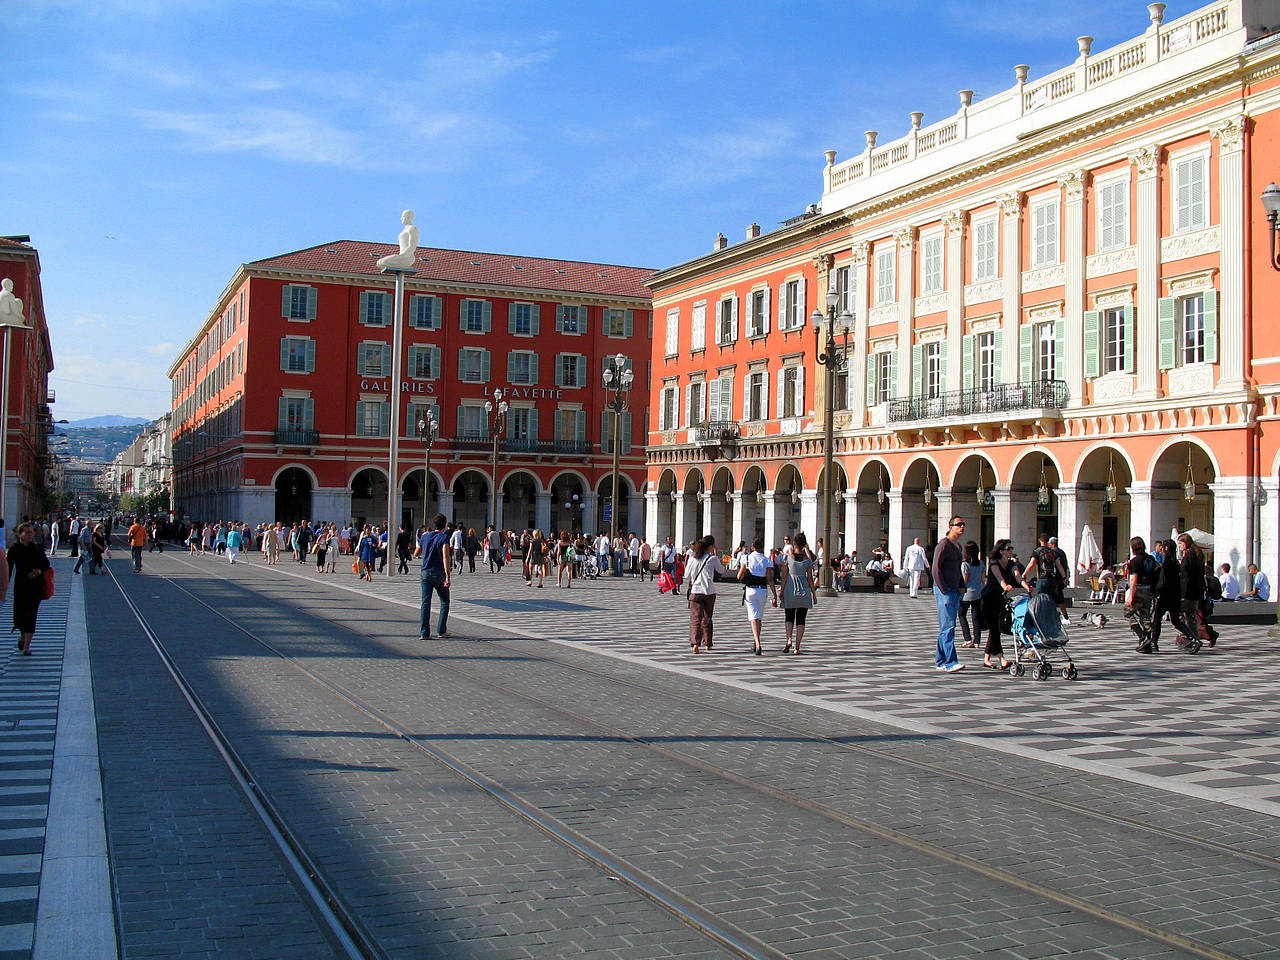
948, 609
433, 581
617, 564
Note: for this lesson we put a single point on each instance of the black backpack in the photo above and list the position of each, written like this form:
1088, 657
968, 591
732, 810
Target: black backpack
1148, 571
1212, 587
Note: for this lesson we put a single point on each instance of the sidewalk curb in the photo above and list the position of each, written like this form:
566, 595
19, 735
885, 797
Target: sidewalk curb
76, 915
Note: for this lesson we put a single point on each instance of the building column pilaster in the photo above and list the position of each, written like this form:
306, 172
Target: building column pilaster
1233, 523
445, 498
1011, 267
1071, 367
590, 512
954, 223
651, 532
858, 364
775, 519
849, 526
737, 522
1231, 211
1141, 502
542, 511
906, 239
809, 517
1069, 524
1269, 532
945, 499
1147, 211
1002, 496
896, 524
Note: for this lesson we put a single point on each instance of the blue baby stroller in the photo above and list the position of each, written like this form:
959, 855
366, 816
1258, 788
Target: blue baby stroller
1038, 636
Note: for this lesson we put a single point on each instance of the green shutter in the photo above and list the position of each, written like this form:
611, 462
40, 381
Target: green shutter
384, 418
580, 426
1026, 356
462, 315
606, 441
871, 379
435, 362
1211, 326
462, 362
511, 363
308, 414
484, 366
1167, 332
581, 368
942, 365
533, 425
364, 306
917, 369
285, 298
462, 419
997, 342
511, 318
311, 303
893, 374
1091, 343
533, 368
284, 353
1129, 366
625, 438
534, 320
311, 356
1059, 347
486, 317
966, 362
559, 318
628, 322
282, 418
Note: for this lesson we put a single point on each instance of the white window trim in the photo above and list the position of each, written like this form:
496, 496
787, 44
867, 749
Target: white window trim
527, 353
531, 305
1175, 158
994, 219
890, 250
1035, 205
1101, 183
694, 325
935, 233
671, 345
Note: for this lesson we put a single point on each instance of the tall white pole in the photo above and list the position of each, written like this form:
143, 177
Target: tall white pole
393, 484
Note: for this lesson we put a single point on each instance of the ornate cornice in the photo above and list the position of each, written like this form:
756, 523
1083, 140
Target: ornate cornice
1011, 203
906, 239
861, 250
954, 220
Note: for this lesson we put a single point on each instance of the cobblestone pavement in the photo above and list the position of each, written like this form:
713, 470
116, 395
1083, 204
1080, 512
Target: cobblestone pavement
1207, 726
794, 869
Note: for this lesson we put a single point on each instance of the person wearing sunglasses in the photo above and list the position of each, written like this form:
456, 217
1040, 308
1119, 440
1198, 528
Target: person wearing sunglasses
948, 589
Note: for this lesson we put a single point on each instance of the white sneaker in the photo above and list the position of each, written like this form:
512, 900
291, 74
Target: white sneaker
954, 668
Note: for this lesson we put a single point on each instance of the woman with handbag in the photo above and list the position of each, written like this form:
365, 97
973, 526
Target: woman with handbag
1002, 579
799, 577
756, 575
701, 573
27, 566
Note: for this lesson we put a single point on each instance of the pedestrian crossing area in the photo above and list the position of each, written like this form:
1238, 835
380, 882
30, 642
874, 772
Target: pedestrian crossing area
29, 690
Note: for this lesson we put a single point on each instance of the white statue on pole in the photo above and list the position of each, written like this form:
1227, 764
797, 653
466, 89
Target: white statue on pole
10, 306
407, 258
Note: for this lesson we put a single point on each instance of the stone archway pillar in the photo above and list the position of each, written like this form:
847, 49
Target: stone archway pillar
897, 542
542, 510
446, 503
1070, 521
636, 513
1023, 517
737, 522
590, 513
1269, 532
777, 512
848, 501
945, 499
683, 517
1140, 510
810, 517
651, 532
1233, 524
1002, 494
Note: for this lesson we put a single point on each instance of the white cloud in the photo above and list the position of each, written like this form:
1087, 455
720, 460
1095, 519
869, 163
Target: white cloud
287, 135
161, 349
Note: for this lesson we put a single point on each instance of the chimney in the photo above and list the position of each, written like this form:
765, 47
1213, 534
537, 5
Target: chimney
753, 231
721, 242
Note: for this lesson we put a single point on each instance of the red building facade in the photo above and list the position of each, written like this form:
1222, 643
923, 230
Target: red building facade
30, 361
281, 402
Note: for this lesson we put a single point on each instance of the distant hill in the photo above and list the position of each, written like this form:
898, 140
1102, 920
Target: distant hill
98, 443
109, 420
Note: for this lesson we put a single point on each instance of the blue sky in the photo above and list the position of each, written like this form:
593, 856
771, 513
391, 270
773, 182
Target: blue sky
151, 146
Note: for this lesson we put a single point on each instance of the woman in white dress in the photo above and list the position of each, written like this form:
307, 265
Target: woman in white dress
756, 574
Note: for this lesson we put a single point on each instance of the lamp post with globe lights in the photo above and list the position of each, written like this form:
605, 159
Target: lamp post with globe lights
428, 431
497, 413
617, 387
835, 357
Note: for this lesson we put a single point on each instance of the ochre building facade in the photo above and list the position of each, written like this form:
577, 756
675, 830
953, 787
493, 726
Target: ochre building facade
1064, 315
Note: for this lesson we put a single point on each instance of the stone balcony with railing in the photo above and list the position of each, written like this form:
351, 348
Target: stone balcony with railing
1165, 51
521, 445
716, 438
1001, 411
297, 438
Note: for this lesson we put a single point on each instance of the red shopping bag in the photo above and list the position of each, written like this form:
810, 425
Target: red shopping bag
665, 582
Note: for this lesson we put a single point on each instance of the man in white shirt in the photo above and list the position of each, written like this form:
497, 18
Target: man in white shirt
633, 550
915, 563
1261, 589
75, 536
1230, 585
455, 546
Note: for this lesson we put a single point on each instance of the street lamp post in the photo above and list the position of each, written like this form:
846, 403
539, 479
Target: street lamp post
497, 412
617, 386
428, 430
835, 358
1270, 203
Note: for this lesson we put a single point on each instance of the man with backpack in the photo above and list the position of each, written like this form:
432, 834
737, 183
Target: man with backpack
1140, 598
1046, 573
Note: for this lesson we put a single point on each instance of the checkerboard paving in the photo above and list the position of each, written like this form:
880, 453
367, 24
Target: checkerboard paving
29, 688
1207, 726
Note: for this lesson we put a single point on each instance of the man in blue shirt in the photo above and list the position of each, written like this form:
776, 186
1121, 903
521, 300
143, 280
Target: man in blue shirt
433, 548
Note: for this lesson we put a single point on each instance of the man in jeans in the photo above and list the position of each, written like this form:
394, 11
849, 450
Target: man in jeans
437, 559
137, 540
948, 588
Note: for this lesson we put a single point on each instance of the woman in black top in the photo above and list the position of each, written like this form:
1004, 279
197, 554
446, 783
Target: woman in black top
1169, 600
97, 549
1002, 579
27, 564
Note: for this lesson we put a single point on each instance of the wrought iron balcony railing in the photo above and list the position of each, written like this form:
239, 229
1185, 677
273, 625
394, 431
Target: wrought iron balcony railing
523, 445
1004, 398
715, 431
298, 438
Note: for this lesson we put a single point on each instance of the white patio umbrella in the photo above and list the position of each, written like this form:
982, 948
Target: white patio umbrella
1089, 559
1201, 538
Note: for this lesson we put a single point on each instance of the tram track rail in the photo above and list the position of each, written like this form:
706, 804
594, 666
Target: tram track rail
744, 944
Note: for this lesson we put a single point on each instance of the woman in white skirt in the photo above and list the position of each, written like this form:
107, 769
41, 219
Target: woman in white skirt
756, 574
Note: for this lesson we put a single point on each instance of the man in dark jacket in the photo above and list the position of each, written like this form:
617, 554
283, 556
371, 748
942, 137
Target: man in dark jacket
948, 588
1140, 598
1195, 608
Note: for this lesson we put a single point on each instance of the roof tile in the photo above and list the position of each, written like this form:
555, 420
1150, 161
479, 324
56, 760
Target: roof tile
466, 266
